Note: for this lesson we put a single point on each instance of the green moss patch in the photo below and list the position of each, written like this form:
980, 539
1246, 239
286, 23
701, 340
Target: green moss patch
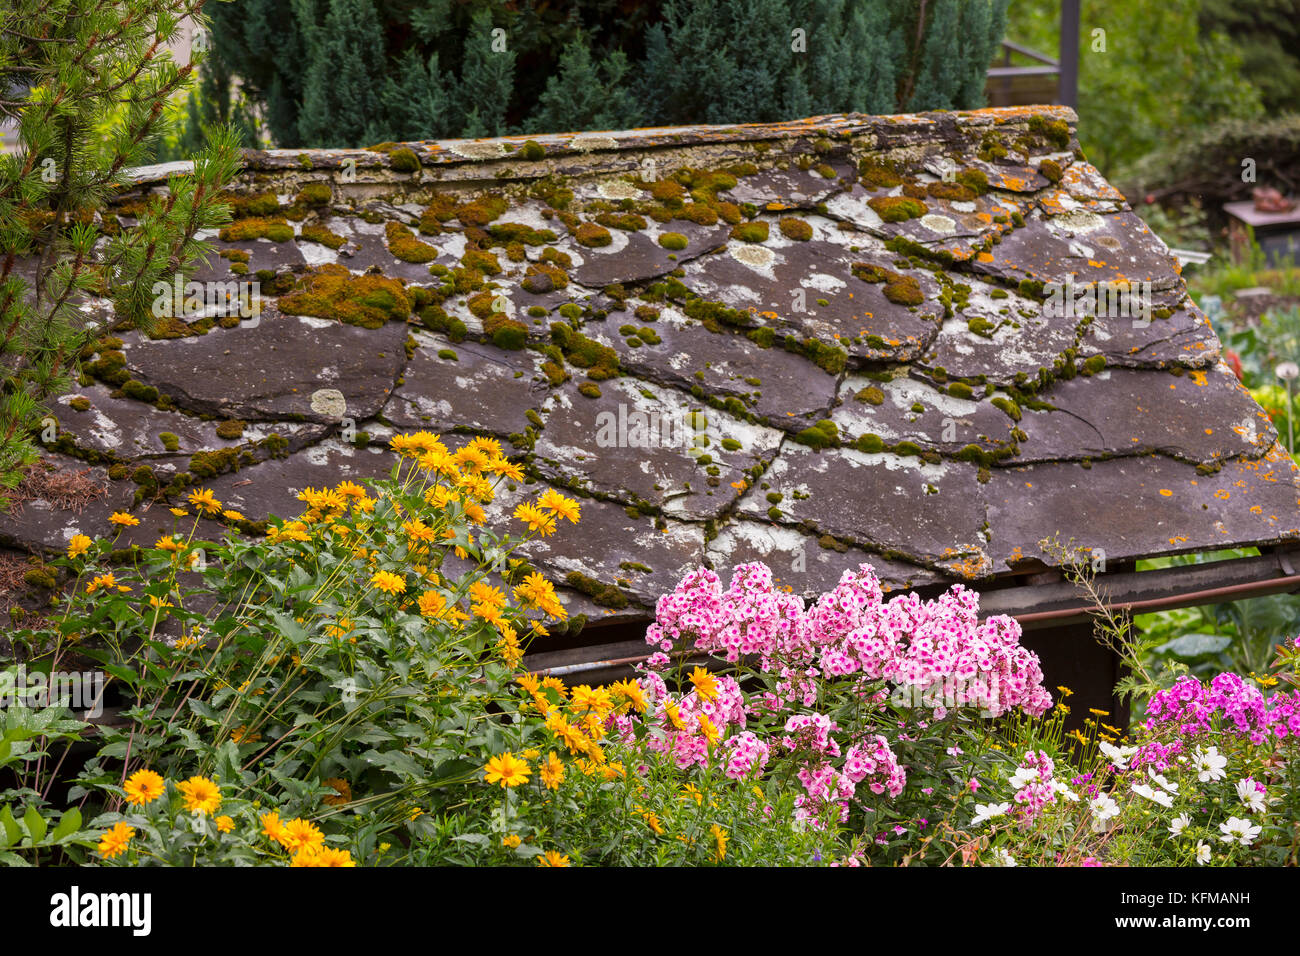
795, 229
334, 293
898, 208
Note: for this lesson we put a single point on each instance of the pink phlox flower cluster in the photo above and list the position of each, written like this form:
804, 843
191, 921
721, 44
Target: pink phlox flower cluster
1192, 708
1033, 780
746, 754
924, 645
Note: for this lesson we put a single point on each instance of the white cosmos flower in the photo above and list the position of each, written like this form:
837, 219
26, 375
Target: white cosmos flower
1119, 756
1064, 791
1158, 778
1203, 853
1103, 810
1180, 824
987, 811
1249, 794
1159, 796
1002, 858
1210, 764
1239, 830
1023, 777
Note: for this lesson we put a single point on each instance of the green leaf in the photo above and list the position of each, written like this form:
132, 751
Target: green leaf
35, 824
12, 833
1194, 645
69, 823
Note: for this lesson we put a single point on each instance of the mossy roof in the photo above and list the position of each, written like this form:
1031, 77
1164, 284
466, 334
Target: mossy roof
850, 310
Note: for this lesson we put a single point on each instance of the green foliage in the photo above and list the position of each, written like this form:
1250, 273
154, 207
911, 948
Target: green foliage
61, 172
1161, 77
347, 72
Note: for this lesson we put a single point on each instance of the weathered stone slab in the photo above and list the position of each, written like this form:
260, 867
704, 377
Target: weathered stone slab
945, 423
809, 289
131, 430
42, 524
931, 515
1184, 338
808, 566
1137, 507
277, 367
483, 388
636, 443
1199, 417
1083, 245
780, 386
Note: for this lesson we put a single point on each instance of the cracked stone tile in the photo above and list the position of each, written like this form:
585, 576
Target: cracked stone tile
808, 289
635, 442
1137, 507
484, 388
40, 525
1199, 416
945, 424
784, 388
130, 430
802, 562
282, 366
931, 515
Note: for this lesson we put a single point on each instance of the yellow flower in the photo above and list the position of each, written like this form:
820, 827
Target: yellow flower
535, 518
105, 582
508, 769
559, 505
114, 841
630, 691
179, 512
317, 855
271, 825
598, 699
123, 520
231, 515
720, 842
201, 795
706, 685
350, 489
225, 824
552, 771
388, 582
168, 543
205, 501
692, 792
512, 841
144, 787
707, 729
432, 604
552, 858
299, 833
79, 545
339, 629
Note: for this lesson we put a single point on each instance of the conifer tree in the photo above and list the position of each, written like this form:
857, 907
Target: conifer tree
344, 77
68, 68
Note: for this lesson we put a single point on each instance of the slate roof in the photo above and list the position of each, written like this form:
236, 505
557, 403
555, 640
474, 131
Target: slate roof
969, 422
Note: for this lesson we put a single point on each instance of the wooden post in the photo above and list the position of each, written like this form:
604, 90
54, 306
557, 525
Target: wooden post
1067, 92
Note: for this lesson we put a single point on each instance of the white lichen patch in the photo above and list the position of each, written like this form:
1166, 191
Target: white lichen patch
477, 149
312, 322
1079, 221
939, 224
314, 254
822, 282
758, 258
617, 189
585, 144
329, 402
